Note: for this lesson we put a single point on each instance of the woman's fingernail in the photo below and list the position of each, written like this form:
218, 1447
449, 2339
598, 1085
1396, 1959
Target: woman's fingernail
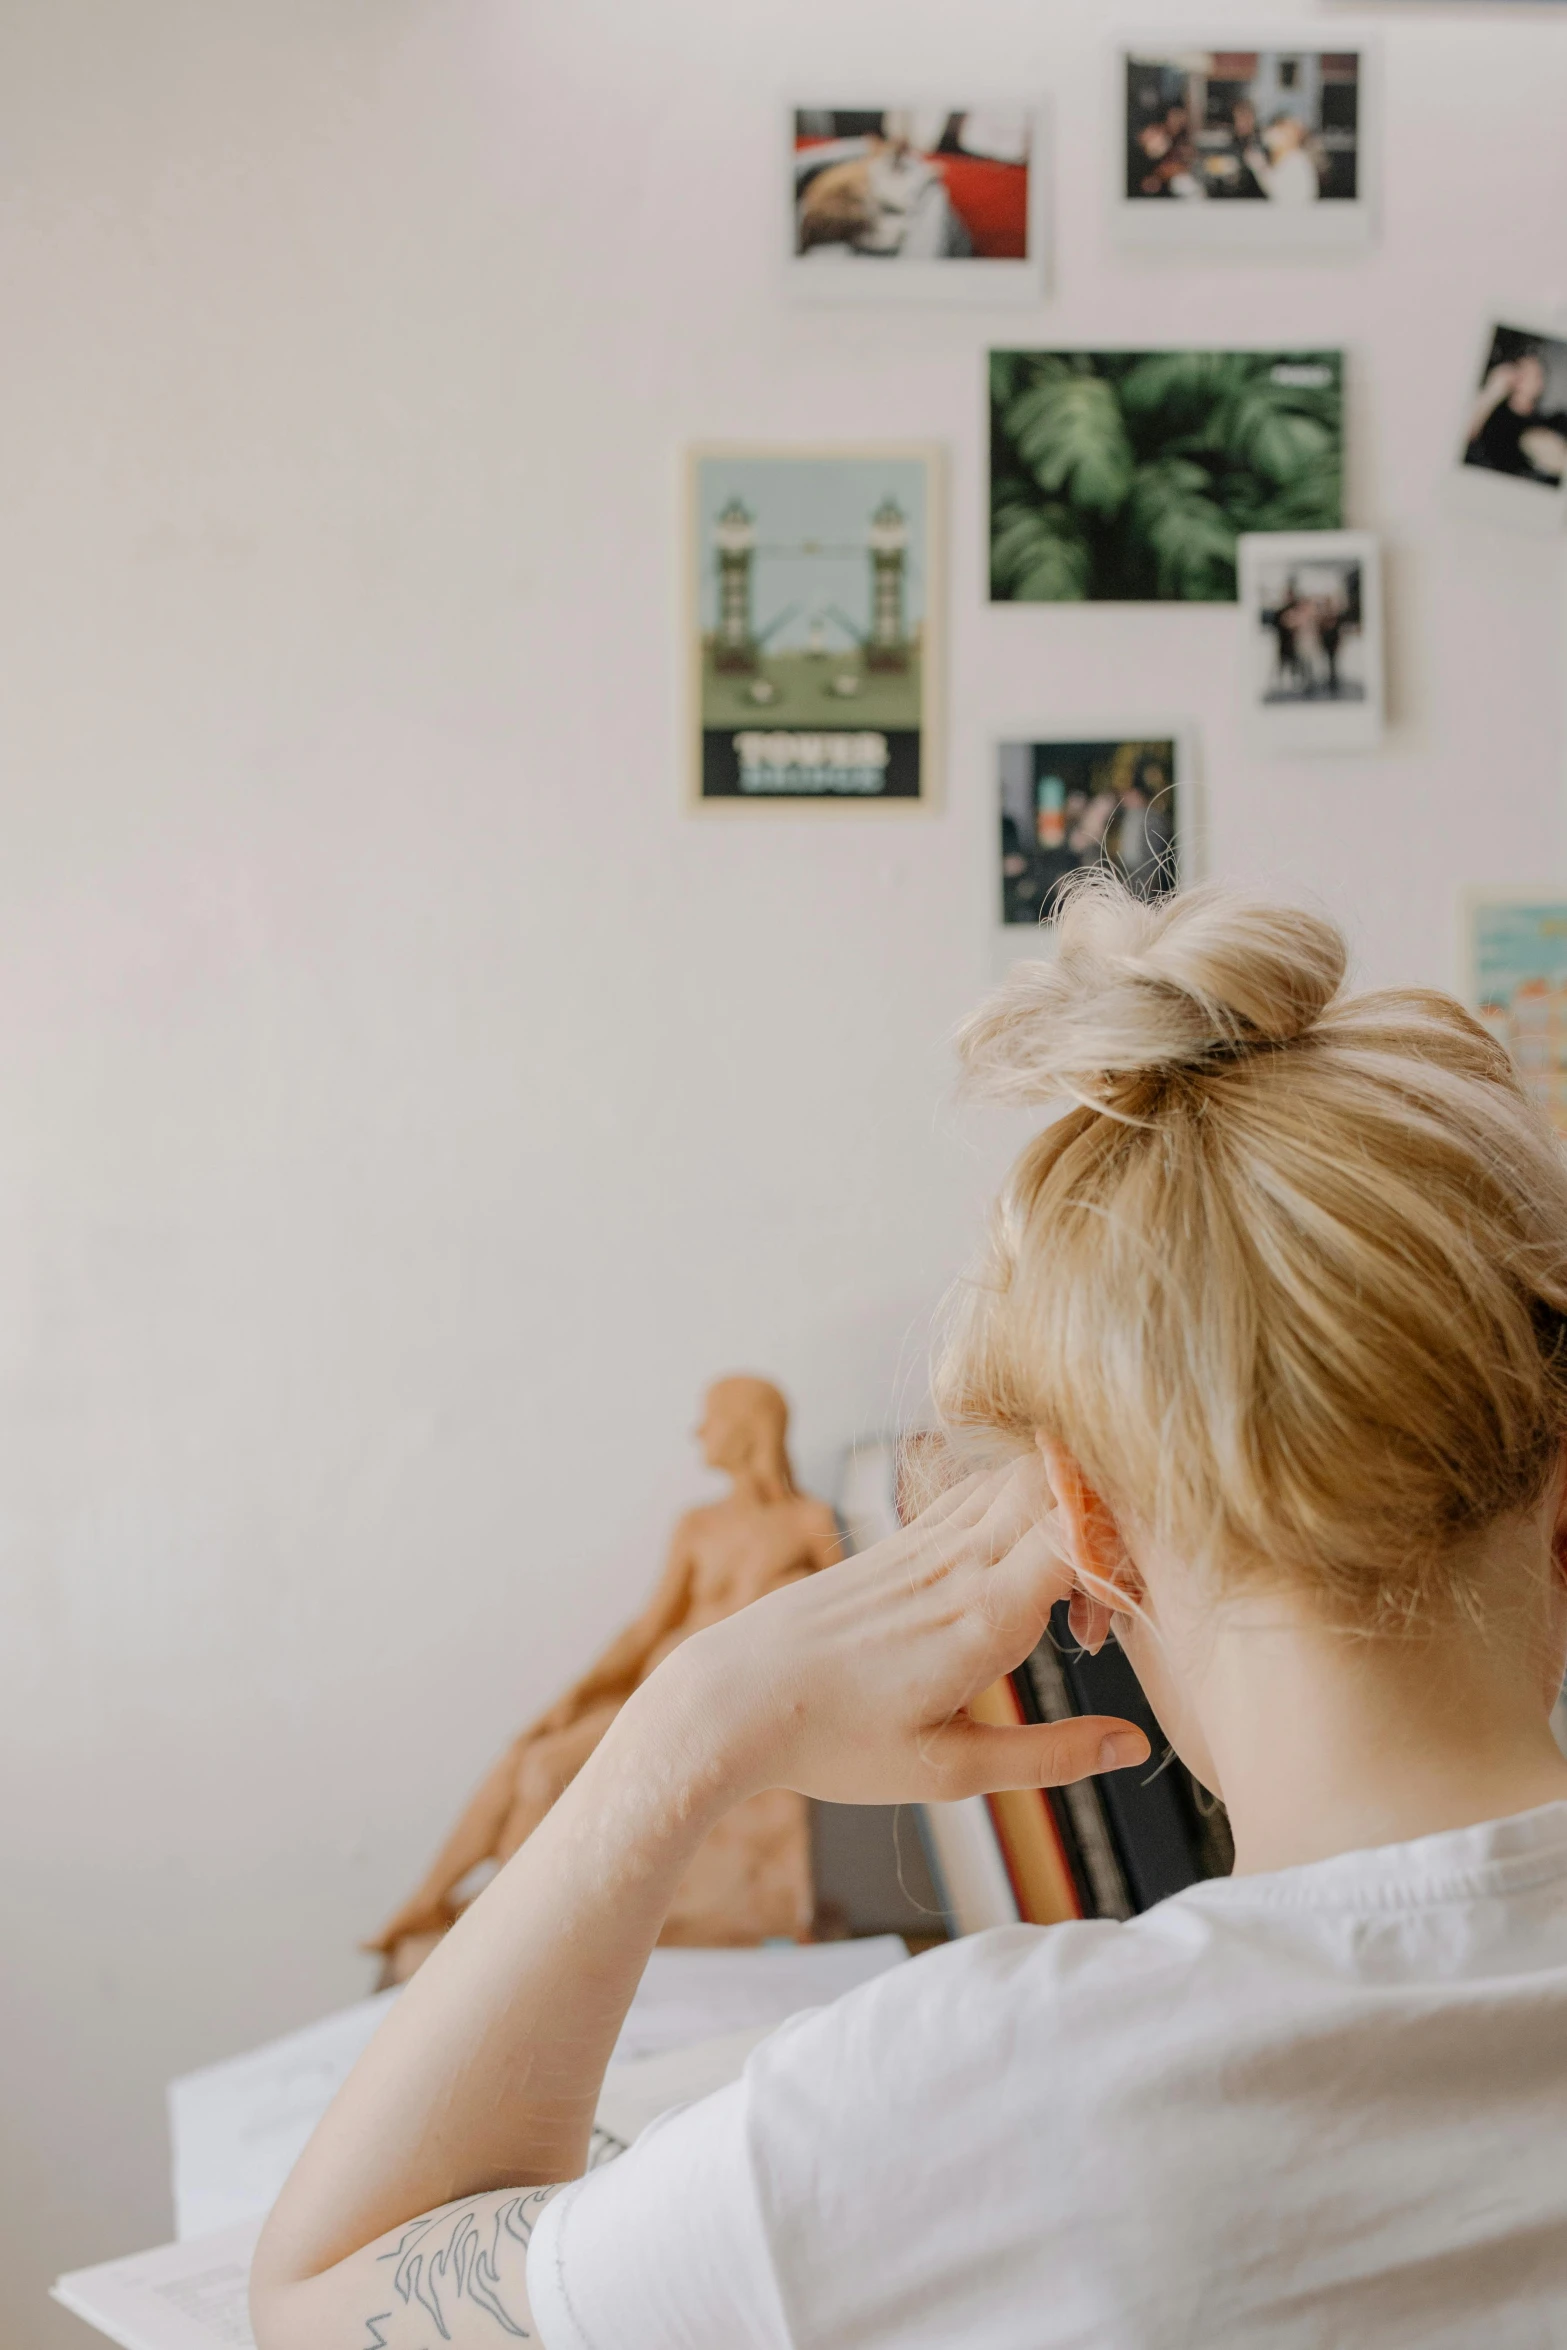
1120, 1748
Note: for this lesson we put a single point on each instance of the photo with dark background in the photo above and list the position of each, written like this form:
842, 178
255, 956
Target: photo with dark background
1226, 125
1067, 805
1518, 420
1127, 476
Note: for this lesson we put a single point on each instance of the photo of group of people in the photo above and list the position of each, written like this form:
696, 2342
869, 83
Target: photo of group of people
1068, 805
1312, 613
1250, 145
1243, 125
1313, 604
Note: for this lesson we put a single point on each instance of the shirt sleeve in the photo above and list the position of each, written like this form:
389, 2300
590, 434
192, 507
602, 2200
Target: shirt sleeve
664, 2246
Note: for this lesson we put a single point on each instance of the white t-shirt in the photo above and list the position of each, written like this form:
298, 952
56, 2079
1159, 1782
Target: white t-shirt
1322, 2108
1292, 180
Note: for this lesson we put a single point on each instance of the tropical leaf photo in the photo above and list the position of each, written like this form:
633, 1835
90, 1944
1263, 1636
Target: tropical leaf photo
1127, 476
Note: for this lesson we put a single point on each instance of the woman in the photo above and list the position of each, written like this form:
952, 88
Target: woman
1510, 430
1282, 164
1275, 1327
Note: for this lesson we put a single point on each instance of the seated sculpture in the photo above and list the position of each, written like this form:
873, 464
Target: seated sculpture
752, 1878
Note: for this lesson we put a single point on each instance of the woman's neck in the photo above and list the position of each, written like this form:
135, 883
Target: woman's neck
1329, 1742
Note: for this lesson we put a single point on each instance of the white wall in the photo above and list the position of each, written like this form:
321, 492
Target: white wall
404, 1107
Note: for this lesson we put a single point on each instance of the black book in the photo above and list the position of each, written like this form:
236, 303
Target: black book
1043, 1694
1163, 1831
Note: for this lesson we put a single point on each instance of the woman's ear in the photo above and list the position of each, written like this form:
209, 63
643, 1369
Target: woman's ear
1108, 1582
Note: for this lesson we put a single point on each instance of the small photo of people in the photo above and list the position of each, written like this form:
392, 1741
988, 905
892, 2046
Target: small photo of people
911, 185
1312, 624
1243, 126
1517, 423
1066, 805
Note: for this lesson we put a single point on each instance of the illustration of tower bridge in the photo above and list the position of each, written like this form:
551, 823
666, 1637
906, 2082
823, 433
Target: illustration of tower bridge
738, 647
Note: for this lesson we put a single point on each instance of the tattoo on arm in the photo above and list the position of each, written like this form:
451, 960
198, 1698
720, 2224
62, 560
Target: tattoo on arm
455, 2255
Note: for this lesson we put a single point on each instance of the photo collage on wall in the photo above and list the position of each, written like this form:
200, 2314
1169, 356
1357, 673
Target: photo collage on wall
1147, 474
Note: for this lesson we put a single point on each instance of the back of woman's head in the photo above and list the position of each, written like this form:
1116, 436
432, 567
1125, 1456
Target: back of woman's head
1289, 1277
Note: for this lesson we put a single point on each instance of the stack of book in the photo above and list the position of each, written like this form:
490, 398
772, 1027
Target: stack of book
1106, 1847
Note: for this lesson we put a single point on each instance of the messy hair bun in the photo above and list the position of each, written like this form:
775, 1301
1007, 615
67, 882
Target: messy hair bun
1290, 1279
1137, 990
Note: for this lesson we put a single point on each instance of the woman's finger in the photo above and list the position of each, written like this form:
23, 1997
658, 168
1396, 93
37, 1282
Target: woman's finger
976, 1758
964, 1503
952, 1527
1019, 1588
1020, 1502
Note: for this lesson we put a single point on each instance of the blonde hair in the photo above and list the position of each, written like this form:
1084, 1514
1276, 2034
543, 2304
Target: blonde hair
1289, 1279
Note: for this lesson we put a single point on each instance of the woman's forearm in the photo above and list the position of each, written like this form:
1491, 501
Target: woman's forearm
486, 2073
412, 2206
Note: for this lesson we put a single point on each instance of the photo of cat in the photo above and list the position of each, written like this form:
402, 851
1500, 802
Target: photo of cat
928, 202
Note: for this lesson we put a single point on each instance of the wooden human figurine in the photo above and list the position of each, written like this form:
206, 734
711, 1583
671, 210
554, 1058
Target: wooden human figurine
752, 1878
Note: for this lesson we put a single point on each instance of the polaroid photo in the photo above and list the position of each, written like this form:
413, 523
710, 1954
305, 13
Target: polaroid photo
1514, 951
916, 203
1123, 477
1311, 604
1262, 148
1512, 443
814, 599
1089, 799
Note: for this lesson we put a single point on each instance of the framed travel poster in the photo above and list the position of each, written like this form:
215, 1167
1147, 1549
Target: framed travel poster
814, 598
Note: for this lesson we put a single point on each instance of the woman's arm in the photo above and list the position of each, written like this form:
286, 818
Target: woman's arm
477, 1834
412, 2205
486, 2073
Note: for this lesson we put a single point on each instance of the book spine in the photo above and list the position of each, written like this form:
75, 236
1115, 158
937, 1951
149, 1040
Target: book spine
1042, 1691
1031, 1841
1066, 1817
1146, 1806
968, 1865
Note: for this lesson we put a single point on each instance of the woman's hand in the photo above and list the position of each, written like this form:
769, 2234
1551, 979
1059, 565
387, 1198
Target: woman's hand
852, 1686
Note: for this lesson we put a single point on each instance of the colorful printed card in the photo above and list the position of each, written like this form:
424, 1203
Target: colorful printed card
1516, 947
